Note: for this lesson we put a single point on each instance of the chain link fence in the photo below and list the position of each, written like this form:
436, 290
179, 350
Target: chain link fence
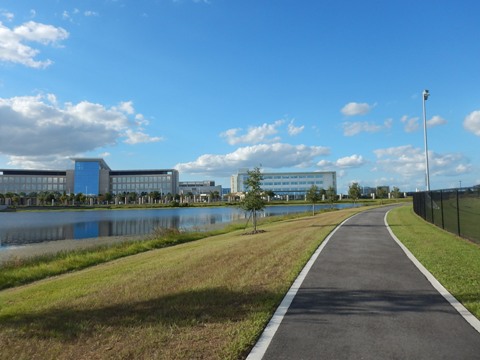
455, 210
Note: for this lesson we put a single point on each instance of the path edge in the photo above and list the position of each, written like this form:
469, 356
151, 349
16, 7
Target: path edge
457, 305
261, 346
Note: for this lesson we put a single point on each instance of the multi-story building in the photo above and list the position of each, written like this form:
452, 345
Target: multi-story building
293, 184
91, 176
199, 187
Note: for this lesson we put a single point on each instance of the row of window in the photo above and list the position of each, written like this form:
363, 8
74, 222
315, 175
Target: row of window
283, 189
31, 180
316, 176
17, 188
141, 179
284, 183
140, 187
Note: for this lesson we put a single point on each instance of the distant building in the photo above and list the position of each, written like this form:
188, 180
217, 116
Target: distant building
293, 184
91, 176
367, 191
199, 188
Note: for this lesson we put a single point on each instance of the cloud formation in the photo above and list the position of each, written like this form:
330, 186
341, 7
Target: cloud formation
436, 121
254, 135
14, 50
274, 156
38, 127
409, 162
354, 128
472, 122
294, 130
352, 161
353, 109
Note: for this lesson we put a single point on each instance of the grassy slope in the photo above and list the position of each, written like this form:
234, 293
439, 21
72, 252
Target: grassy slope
455, 262
206, 299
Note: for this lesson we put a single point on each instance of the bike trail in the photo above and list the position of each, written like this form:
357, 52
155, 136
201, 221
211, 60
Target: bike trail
364, 298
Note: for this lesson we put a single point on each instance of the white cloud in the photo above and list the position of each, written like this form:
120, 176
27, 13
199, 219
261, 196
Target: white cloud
90, 13
275, 156
41, 162
7, 15
13, 49
350, 161
294, 130
35, 127
254, 135
436, 121
353, 108
137, 137
411, 124
354, 128
325, 164
472, 122
409, 162
41, 33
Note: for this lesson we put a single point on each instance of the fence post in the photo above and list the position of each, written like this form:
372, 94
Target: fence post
441, 208
431, 206
458, 214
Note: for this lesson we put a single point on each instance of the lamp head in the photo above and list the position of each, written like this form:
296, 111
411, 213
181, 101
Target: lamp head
426, 94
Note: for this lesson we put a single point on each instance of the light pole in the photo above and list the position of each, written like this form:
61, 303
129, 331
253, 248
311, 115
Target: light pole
426, 94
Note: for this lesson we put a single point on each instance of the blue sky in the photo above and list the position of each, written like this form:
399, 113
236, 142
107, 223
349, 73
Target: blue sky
208, 87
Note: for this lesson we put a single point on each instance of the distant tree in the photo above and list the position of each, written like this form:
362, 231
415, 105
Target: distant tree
64, 198
313, 196
109, 197
270, 194
396, 193
215, 195
331, 195
253, 200
354, 191
381, 193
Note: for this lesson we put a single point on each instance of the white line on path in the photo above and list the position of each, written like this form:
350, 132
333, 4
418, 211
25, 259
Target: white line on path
262, 344
469, 317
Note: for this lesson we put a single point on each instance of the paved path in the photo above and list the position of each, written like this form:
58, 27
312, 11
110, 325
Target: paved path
363, 298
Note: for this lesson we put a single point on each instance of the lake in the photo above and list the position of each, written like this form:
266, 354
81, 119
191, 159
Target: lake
37, 229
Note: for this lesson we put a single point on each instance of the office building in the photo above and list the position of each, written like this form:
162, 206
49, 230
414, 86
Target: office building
90, 176
293, 184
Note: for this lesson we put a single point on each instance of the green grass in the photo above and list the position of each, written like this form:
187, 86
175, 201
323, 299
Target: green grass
206, 299
23, 271
454, 261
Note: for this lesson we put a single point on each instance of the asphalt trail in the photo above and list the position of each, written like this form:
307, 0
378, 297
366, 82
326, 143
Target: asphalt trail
364, 299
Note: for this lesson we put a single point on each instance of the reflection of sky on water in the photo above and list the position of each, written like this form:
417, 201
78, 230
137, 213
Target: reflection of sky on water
21, 228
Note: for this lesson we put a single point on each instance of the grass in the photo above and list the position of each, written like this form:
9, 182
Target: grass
454, 261
207, 299
20, 271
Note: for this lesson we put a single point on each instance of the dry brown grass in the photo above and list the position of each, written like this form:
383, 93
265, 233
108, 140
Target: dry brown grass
208, 299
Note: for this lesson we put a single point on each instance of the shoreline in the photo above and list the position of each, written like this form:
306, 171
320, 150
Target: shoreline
12, 253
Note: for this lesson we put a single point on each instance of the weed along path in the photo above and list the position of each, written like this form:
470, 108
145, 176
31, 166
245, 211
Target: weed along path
363, 298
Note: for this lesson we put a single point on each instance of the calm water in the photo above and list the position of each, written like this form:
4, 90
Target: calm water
28, 228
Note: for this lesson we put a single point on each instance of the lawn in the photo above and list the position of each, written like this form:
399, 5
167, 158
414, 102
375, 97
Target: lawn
207, 299
454, 261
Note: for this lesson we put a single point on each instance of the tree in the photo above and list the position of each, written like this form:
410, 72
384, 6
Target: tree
270, 194
331, 195
253, 200
396, 192
381, 193
313, 196
354, 191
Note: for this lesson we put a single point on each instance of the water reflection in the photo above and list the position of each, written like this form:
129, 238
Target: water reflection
22, 228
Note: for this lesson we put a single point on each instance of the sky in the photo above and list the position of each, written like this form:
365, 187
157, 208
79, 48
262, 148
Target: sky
212, 86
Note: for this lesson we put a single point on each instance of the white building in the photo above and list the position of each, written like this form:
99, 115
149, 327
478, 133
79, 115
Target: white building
293, 184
